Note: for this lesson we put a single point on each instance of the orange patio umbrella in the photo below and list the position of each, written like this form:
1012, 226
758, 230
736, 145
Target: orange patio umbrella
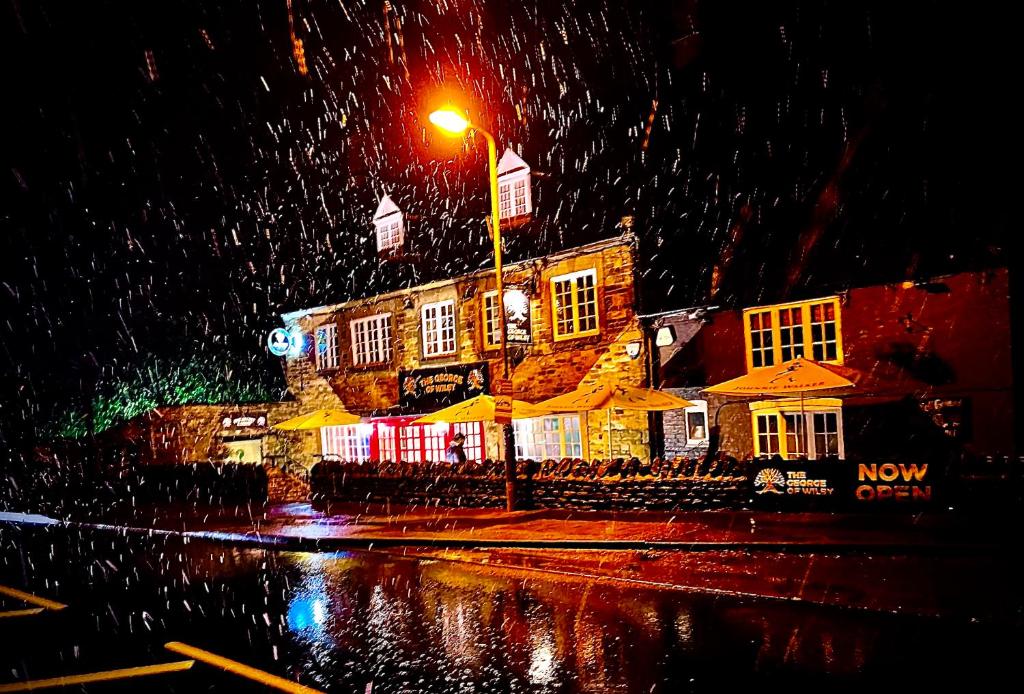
605, 394
480, 409
326, 417
794, 377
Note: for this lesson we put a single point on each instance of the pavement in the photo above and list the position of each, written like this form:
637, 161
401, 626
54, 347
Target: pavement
302, 526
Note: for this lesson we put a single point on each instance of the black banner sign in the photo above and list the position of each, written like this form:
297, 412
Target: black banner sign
801, 484
426, 390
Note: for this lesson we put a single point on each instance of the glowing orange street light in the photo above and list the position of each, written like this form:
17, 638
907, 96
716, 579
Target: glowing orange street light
450, 121
454, 123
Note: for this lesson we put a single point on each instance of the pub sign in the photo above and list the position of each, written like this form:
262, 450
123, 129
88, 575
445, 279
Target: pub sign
428, 389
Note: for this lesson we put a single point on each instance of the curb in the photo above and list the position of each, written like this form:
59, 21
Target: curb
334, 544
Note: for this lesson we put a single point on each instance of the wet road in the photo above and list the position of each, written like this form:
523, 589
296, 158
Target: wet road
372, 622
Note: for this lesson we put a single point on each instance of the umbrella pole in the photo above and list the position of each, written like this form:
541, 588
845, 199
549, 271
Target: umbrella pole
609, 446
803, 425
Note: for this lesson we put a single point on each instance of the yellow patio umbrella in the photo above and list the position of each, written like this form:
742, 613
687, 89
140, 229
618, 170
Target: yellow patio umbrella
604, 395
326, 417
794, 377
480, 409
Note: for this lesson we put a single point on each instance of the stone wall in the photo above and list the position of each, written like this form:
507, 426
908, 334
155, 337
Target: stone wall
546, 368
584, 495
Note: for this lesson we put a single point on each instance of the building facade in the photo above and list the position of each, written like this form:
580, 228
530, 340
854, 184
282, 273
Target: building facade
931, 362
395, 357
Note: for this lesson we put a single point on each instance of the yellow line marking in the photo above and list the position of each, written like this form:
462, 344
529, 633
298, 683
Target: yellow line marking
104, 676
240, 669
21, 613
31, 599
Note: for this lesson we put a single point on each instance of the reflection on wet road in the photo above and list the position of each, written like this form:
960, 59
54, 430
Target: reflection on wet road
358, 622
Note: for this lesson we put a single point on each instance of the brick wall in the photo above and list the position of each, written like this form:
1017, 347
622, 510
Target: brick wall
946, 339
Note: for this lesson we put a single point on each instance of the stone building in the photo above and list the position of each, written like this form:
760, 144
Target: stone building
397, 356
933, 360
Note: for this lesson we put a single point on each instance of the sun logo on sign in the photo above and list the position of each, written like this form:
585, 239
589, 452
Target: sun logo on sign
475, 380
769, 480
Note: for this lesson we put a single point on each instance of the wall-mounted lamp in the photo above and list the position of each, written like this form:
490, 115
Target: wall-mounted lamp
665, 336
633, 349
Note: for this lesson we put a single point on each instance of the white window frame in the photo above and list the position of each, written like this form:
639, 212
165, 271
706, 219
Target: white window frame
701, 407
489, 320
552, 437
473, 446
371, 339
790, 439
350, 442
438, 339
576, 330
515, 197
390, 233
328, 357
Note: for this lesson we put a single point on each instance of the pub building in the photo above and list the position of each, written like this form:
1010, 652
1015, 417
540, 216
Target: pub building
932, 359
397, 356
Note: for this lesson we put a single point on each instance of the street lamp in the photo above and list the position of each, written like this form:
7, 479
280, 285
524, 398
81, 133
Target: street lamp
455, 123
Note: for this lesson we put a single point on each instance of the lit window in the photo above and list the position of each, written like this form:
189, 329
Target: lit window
543, 438
386, 445
438, 328
371, 339
761, 352
410, 440
327, 347
767, 434
826, 433
350, 442
791, 333
794, 435
824, 333
697, 421
782, 431
474, 443
574, 304
777, 334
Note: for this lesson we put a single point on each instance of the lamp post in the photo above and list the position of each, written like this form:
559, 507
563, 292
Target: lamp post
454, 123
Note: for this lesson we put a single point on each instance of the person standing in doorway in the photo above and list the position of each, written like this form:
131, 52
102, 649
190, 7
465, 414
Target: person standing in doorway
455, 453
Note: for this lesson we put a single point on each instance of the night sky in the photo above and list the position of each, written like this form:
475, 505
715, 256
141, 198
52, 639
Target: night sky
171, 182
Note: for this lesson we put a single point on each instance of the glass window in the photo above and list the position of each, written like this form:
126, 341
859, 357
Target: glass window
826, 433
519, 203
553, 437
791, 333
824, 341
697, 421
505, 200
410, 440
327, 347
371, 339
574, 301
761, 350
794, 435
767, 434
386, 447
351, 442
434, 442
439, 328
474, 444
492, 328
389, 234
